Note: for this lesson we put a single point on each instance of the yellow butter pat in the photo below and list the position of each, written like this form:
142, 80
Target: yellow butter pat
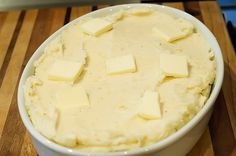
96, 26
150, 106
115, 16
72, 98
140, 11
173, 31
173, 65
44, 120
67, 140
122, 64
62, 70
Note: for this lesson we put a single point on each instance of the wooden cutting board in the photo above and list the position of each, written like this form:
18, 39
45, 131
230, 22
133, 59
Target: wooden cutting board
21, 32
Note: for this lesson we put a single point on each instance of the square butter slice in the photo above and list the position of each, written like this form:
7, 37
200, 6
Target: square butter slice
68, 140
65, 70
70, 98
142, 11
96, 26
173, 29
173, 65
121, 64
150, 106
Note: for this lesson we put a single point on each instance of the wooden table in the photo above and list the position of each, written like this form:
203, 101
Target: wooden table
21, 32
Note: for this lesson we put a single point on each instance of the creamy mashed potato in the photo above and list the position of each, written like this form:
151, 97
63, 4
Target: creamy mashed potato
98, 111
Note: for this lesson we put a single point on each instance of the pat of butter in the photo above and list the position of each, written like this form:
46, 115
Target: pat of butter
67, 140
62, 70
122, 64
44, 120
72, 98
173, 31
173, 65
140, 11
96, 26
150, 106
116, 16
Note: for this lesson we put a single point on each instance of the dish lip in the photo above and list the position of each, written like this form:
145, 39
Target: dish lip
141, 150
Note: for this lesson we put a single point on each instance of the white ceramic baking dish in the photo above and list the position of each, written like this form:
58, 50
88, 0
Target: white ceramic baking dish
176, 144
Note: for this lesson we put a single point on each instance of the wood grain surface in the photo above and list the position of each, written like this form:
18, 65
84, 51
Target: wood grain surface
21, 33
